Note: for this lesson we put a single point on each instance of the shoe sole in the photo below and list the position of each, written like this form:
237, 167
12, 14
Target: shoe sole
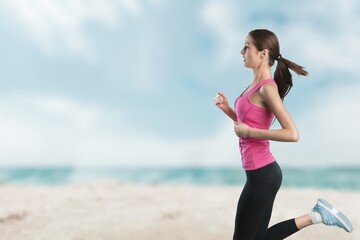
337, 214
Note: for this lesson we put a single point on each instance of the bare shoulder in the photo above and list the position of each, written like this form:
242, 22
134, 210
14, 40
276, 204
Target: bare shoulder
269, 90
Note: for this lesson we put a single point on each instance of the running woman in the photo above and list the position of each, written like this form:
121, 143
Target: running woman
254, 112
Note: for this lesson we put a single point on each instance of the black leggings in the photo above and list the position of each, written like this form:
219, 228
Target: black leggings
255, 207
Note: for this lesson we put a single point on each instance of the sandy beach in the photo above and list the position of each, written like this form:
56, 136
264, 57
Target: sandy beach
124, 211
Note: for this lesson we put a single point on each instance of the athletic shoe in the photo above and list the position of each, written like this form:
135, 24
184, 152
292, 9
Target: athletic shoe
331, 216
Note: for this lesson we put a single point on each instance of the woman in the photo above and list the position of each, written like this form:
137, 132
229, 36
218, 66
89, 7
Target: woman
254, 112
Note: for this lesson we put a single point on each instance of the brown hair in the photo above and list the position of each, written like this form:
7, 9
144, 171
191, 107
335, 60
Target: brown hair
265, 39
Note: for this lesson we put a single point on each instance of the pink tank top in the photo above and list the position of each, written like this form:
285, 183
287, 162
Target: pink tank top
255, 153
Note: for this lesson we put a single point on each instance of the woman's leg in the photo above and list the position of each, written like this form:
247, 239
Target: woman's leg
256, 201
263, 229
303, 221
249, 214
280, 230
273, 177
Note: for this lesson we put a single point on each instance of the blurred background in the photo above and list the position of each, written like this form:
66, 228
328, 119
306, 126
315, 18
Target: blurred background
125, 89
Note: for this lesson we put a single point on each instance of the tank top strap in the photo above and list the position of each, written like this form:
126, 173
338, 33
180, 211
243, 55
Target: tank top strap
259, 85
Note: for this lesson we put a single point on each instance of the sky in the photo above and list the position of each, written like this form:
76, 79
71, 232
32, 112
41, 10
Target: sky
132, 82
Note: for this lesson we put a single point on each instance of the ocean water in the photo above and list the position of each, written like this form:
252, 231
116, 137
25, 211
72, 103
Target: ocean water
329, 178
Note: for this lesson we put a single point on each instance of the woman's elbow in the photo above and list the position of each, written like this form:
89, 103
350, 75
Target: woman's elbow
294, 136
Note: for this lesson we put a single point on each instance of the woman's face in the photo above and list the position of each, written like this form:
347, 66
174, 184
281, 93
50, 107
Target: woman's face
250, 54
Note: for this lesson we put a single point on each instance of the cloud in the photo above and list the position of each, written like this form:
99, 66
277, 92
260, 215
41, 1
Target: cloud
337, 52
59, 26
55, 130
40, 128
325, 39
219, 17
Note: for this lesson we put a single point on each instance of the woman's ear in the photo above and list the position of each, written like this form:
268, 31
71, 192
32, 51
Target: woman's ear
264, 54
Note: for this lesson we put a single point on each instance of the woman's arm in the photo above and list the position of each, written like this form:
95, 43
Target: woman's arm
288, 131
222, 102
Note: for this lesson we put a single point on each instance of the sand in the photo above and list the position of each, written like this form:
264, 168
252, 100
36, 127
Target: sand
124, 211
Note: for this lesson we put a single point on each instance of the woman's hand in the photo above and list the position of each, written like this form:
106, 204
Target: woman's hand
221, 101
242, 130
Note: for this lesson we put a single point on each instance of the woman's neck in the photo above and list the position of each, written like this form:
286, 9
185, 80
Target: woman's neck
261, 73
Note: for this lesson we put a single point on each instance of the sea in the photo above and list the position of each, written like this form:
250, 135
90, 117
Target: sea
344, 178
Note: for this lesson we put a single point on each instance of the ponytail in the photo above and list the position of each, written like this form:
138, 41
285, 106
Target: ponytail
283, 77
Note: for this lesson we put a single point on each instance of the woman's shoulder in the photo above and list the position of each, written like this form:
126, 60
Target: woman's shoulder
269, 88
